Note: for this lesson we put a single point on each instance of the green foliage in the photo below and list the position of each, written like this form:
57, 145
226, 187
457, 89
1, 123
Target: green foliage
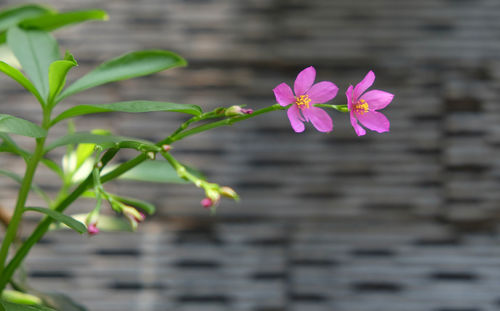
57, 75
53, 20
60, 302
129, 106
104, 141
130, 65
13, 16
20, 298
13, 125
157, 171
8, 306
67, 220
35, 50
18, 76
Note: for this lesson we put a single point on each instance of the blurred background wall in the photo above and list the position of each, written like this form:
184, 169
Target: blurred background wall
400, 221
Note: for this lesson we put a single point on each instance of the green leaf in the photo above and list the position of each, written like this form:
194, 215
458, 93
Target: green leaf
67, 220
12, 16
8, 306
60, 302
18, 76
104, 141
9, 145
129, 106
49, 22
20, 298
57, 75
155, 171
127, 66
19, 180
53, 166
35, 50
10, 124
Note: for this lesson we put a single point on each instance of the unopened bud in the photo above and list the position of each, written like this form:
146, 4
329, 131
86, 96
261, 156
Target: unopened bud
99, 164
151, 155
206, 203
92, 229
166, 148
237, 111
213, 195
229, 193
134, 216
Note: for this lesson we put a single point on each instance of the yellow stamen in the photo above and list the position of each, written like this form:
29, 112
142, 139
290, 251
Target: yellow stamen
302, 101
361, 107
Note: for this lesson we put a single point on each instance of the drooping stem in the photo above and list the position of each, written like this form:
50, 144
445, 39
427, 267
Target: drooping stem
179, 134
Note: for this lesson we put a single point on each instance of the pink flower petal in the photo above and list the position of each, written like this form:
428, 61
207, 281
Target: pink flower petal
283, 94
359, 130
377, 99
362, 86
304, 81
375, 121
349, 94
319, 118
322, 92
295, 118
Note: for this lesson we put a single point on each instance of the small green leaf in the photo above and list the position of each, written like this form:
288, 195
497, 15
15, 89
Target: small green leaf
12, 16
35, 50
67, 220
9, 145
129, 106
18, 76
127, 66
8, 306
61, 302
105, 141
19, 180
10, 124
57, 75
49, 22
155, 171
53, 166
20, 298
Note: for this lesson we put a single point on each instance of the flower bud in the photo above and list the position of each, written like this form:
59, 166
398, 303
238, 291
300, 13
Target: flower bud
166, 148
213, 195
134, 216
151, 155
206, 203
229, 193
237, 111
92, 229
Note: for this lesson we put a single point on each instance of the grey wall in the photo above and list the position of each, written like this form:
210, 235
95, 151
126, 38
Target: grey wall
401, 221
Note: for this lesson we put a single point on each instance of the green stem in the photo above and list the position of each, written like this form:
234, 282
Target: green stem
42, 228
21, 200
341, 108
22, 195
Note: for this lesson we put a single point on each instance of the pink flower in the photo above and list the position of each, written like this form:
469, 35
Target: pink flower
363, 107
92, 229
306, 95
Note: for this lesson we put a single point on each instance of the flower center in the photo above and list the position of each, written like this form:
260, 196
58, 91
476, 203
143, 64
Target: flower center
302, 101
361, 107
